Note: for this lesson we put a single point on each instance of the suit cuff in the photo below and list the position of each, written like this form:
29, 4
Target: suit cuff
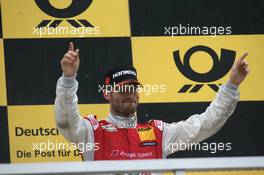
68, 82
231, 86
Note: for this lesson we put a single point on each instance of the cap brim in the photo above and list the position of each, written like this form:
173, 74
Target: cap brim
130, 82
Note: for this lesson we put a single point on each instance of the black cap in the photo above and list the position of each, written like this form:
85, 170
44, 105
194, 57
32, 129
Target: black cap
125, 74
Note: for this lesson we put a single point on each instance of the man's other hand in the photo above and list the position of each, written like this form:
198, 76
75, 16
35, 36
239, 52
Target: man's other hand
239, 70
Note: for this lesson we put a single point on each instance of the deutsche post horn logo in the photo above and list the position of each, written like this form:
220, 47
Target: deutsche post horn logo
220, 67
75, 8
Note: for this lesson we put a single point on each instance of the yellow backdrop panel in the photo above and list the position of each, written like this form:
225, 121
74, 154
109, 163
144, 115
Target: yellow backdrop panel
24, 121
110, 18
3, 99
153, 57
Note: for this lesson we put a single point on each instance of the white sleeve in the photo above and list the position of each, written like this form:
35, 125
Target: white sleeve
68, 121
201, 126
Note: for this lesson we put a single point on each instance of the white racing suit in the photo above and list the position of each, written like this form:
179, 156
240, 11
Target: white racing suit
196, 128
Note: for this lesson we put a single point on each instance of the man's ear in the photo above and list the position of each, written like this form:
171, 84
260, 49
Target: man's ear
107, 95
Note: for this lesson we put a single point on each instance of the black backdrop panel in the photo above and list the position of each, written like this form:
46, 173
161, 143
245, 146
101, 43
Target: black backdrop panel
4, 136
148, 18
244, 129
33, 67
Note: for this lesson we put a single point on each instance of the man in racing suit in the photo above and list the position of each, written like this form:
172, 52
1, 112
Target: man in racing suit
119, 136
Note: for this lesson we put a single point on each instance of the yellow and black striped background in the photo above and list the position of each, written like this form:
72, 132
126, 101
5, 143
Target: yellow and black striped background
131, 32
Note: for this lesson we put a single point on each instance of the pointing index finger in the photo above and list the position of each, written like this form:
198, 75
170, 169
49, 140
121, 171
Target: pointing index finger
243, 57
71, 46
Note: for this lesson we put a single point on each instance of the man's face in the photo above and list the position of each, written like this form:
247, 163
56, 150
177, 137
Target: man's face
125, 101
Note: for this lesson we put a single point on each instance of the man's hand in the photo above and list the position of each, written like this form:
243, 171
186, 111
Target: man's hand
70, 61
239, 70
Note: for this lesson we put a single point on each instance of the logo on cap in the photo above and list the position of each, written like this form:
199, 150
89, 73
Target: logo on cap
124, 72
121, 74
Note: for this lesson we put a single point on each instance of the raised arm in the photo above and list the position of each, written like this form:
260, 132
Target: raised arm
201, 126
72, 126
